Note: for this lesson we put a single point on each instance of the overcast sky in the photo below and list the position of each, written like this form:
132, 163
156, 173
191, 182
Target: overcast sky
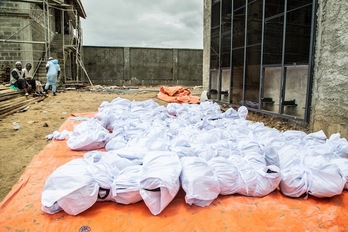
144, 23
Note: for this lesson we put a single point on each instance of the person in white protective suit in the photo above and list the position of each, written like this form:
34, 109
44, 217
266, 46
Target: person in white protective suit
53, 71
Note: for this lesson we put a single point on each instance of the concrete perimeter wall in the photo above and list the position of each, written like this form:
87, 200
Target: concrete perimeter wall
330, 86
143, 66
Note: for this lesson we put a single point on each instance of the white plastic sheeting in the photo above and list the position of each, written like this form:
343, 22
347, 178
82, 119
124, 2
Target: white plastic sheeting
309, 164
342, 165
159, 182
313, 175
88, 135
71, 187
199, 181
125, 187
238, 176
59, 135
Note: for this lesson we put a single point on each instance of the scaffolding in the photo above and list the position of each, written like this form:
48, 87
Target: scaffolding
62, 35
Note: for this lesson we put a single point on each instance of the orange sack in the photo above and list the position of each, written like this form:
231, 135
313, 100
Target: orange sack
177, 94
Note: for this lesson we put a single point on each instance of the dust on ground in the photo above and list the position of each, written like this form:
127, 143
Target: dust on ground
18, 147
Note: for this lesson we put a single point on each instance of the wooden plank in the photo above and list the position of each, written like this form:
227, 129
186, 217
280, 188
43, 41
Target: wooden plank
12, 101
15, 107
14, 110
10, 106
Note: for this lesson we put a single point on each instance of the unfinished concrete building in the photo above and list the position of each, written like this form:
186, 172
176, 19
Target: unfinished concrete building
283, 58
34, 30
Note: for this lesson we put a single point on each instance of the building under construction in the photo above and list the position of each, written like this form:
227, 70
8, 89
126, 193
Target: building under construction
34, 30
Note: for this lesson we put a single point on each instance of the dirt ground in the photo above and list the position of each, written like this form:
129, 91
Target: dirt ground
18, 147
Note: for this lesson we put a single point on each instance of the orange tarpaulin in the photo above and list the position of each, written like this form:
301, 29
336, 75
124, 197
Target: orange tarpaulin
21, 209
176, 94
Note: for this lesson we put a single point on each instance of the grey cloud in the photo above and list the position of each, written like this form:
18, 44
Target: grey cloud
144, 23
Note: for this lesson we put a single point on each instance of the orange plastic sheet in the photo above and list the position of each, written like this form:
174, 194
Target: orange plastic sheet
21, 209
176, 94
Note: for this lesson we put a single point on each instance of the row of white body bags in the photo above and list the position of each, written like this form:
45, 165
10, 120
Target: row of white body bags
309, 174
104, 176
77, 185
204, 180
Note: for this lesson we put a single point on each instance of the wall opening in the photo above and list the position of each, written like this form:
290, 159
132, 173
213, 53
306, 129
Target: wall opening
261, 55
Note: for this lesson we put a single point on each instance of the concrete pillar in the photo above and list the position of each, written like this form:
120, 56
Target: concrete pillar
330, 83
126, 64
206, 42
175, 65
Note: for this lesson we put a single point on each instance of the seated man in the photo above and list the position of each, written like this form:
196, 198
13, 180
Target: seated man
17, 80
36, 85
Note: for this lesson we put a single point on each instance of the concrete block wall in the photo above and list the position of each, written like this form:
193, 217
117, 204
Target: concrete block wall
190, 67
16, 24
330, 84
9, 52
150, 66
104, 65
142, 66
9, 26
